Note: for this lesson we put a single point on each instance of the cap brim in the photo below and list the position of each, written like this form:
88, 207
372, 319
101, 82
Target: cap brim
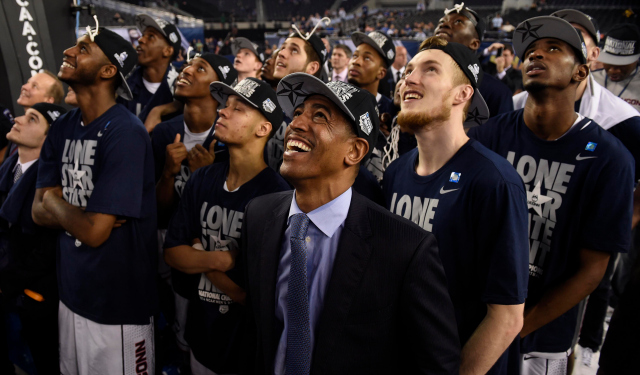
296, 87
359, 37
545, 27
124, 91
611, 59
478, 112
143, 21
576, 16
248, 46
221, 91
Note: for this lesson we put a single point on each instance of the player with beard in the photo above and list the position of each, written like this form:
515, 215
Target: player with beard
152, 82
471, 199
95, 182
463, 25
299, 53
206, 228
570, 166
248, 62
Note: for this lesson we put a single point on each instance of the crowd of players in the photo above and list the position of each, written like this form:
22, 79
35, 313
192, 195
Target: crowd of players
383, 215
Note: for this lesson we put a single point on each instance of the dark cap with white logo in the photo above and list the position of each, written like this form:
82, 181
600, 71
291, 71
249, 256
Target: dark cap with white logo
254, 91
380, 42
316, 44
223, 67
548, 27
575, 16
622, 45
478, 112
239, 43
167, 29
359, 106
51, 112
121, 54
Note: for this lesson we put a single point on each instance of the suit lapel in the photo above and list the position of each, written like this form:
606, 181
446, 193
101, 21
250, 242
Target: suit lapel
269, 259
350, 264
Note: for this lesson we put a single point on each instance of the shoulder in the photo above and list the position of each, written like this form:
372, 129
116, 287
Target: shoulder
121, 120
497, 124
266, 203
399, 162
492, 169
610, 147
172, 126
492, 86
274, 181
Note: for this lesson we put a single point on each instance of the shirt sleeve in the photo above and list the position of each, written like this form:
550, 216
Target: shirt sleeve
502, 226
120, 182
184, 226
48, 166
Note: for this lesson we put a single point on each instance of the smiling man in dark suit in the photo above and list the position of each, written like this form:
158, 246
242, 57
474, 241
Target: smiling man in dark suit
335, 283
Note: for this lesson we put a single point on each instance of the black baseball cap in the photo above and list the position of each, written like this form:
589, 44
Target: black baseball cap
582, 19
478, 112
51, 112
548, 27
380, 42
621, 45
240, 43
167, 29
316, 44
223, 67
256, 92
359, 106
120, 53
471, 14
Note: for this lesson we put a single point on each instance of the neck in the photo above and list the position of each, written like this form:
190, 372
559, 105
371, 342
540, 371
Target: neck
27, 154
155, 71
436, 146
550, 113
396, 67
94, 100
200, 113
371, 87
244, 75
311, 194
245, 162
581, 88
339, 71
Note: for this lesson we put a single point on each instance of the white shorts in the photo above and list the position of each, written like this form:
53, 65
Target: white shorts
545, 363
90, 348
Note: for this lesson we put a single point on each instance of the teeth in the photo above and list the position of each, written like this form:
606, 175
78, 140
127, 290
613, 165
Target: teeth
279, 64
184, 81
67, 65
292, 145
413, 95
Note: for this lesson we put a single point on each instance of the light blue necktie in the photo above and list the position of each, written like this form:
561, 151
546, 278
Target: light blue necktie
298, 359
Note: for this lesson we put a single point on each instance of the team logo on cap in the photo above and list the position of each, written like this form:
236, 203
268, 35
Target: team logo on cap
379, 38
293, 91
246, 88
529, 31
173, 37
584, 50
474, 115
224, 70
121, 58
475, 70
342, 90
365, 123
54, 115
619, 47
390, 54
162, 23
268, 105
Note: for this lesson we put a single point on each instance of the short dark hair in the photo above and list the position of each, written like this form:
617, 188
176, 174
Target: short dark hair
312, 56
345, 48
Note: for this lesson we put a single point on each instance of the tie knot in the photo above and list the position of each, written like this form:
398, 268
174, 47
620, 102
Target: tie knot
299, 225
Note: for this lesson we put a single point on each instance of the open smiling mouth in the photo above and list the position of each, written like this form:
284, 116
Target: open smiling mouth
296, 146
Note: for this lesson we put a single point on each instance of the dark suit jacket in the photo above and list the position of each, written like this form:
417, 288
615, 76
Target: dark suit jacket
513, 79
386, 310
387, 84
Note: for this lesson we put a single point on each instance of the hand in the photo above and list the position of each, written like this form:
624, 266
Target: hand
495, 47
500, 64
226, 259
50, 196
201, 157
118, 223
153, 118
176, 153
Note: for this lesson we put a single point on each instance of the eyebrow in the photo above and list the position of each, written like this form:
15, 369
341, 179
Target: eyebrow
428, 62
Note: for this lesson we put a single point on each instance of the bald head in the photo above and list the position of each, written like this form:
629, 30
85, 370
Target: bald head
401, 57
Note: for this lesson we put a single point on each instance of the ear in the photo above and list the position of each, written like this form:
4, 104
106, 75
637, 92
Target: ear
108, 71
463, 94
581, 73
357, 151
382, 73
263, 129
475, 44
312, 67
595, 53
167, 51
257, 66
49, 99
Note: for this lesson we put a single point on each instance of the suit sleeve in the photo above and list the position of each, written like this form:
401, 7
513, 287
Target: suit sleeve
428, 316
249, 362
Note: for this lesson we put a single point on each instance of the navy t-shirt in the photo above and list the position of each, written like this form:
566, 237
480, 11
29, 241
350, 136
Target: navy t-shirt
213, 215
497, 95
579, 194
106, 167
274, 150
475, 205
143, 101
